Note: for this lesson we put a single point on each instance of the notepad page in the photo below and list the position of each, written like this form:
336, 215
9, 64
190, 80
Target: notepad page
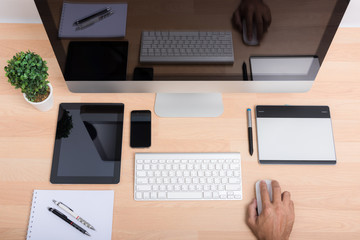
95, 207
112, 26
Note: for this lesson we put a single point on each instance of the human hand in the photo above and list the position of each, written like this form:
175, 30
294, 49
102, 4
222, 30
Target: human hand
276, 219
253, 11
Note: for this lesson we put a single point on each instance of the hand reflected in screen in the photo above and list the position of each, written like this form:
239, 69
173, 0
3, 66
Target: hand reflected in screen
256, 15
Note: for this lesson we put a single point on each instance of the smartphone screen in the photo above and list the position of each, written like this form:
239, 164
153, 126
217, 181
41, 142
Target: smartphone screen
140, 131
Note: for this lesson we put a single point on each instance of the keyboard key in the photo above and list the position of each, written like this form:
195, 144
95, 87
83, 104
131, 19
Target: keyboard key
234, 180
208, 194
142, 181
222, 193
233, 187
162, 195
184, 187
146, 195
141, 173
143, 187
185, 195
237, 194
139, 195
234, 166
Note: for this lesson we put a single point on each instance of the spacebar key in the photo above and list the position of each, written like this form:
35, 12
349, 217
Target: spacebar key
184, 195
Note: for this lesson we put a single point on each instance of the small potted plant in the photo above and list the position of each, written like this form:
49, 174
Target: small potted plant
28, 71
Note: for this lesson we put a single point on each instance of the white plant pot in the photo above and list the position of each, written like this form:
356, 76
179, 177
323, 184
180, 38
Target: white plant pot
45, 105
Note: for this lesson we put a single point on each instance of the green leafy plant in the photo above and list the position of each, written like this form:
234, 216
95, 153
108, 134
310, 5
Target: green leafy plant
28, 71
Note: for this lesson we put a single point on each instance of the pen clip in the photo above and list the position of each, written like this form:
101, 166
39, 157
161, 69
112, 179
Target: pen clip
66, 206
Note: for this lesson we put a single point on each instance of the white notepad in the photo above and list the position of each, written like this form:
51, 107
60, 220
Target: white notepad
112, 26
95, 207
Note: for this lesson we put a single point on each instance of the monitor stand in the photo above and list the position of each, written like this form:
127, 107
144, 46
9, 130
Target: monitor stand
189, 104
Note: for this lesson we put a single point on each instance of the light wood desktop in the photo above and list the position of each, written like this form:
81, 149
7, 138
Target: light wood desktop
327, 198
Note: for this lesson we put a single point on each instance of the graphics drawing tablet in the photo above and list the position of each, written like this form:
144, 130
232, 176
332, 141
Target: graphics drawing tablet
295, 135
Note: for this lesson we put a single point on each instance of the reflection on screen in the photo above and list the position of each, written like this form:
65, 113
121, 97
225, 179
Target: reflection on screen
288, 28
93, 145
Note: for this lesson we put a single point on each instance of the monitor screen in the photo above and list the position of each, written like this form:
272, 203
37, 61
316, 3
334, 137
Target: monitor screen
285, 28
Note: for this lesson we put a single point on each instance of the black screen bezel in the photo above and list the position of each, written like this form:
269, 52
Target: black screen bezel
135, 142
55, 179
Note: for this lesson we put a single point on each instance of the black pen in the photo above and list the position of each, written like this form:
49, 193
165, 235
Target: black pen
63, 217
244, 70
250, 136
88, 18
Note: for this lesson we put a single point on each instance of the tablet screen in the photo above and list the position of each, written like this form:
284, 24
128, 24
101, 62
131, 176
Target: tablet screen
96, 60
88, 143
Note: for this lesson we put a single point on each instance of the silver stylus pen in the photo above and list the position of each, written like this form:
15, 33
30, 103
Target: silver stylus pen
71, 212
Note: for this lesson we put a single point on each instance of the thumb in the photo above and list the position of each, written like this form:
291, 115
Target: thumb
251, 214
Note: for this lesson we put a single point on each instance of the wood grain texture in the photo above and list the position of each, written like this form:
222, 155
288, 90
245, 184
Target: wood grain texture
327, 198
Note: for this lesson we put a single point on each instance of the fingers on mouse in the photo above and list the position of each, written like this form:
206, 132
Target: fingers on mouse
259, 200
254, 39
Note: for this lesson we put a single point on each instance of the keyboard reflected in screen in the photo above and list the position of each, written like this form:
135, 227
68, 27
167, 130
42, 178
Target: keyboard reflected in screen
186, 47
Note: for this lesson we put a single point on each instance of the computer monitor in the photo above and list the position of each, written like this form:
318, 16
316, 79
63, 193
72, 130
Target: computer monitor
287, 58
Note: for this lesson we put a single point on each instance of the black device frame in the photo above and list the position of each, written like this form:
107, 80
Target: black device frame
132, 132
54, 178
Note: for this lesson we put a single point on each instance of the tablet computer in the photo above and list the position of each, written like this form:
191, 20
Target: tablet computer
88, 143
96, 60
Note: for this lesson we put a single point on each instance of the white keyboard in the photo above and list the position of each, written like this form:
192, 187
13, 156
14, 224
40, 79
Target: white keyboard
187, 176
186, 47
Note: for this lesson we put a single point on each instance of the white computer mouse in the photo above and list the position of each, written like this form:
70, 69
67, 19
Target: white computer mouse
254, 41
258, 194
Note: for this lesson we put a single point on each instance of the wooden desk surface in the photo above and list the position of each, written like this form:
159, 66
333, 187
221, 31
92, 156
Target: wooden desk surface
327, 198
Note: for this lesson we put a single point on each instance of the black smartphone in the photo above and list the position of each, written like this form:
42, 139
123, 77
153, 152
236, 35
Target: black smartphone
140, 130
